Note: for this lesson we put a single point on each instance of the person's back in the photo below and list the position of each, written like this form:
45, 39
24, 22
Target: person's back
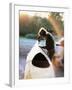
38, 64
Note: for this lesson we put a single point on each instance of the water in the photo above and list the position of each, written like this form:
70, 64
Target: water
25, 41
25, 46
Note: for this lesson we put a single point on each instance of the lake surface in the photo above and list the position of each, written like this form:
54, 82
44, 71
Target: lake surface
25, 46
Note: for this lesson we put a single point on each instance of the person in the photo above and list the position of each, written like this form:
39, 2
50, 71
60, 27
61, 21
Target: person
38, 64
58, 58
59, 52
50, 44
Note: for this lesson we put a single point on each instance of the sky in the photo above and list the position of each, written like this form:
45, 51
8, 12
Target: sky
30, 13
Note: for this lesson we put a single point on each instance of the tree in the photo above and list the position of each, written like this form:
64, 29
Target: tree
56, 19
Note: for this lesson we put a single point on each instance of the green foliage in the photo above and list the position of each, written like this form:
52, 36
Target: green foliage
59, 17
31, 36
31, 27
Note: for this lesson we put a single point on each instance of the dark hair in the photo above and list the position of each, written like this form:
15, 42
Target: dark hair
40, 61
50, 45
43, 33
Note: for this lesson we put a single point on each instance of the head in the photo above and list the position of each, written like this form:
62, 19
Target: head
61, 41
42, 33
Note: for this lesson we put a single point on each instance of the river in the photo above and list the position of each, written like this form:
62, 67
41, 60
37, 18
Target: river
25, 46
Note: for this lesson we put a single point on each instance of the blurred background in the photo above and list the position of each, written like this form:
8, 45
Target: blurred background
29, 24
